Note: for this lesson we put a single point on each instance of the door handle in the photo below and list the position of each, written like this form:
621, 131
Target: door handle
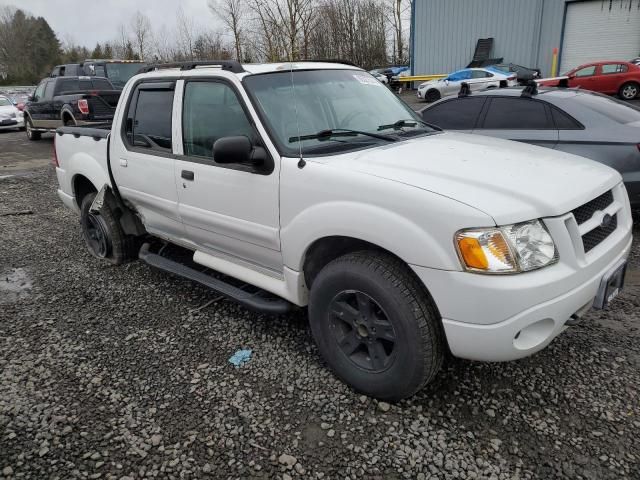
187, 175
123, 162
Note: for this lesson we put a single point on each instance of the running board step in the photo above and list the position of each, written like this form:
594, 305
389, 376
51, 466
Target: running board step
274, 306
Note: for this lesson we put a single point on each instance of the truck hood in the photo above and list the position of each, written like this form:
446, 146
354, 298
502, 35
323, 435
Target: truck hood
510, 181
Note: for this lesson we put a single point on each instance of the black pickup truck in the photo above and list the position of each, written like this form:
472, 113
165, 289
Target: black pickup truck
67, 101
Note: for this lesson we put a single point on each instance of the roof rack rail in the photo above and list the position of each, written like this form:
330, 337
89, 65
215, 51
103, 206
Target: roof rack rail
229, 65
465, 90
530, 90
331, 60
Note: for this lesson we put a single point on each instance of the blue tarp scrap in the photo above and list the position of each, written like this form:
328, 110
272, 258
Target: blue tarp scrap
240, 357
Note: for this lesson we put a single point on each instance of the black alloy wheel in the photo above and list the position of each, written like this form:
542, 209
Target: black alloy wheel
363, 331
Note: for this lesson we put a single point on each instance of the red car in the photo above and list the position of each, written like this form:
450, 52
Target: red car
611, 77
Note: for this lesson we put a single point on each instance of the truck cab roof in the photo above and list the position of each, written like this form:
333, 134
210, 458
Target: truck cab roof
241, 70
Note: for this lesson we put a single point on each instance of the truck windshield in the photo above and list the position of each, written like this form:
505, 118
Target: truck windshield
120, 73
346, 101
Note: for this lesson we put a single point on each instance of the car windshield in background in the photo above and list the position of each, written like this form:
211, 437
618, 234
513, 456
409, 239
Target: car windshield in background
120, 73
5, 102
614, 109
326, 101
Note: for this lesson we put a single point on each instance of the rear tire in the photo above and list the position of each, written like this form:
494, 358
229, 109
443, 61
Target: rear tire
376, 325
432, 95
31, 134
103, 234
69, 121
629, 91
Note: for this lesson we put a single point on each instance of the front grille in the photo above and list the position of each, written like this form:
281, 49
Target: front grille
598, 234
586, 211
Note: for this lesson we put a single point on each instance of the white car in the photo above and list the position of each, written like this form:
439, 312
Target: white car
477, 78
379, 76
10, 116
316, 186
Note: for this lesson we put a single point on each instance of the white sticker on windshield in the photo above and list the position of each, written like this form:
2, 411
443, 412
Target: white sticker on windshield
367, 80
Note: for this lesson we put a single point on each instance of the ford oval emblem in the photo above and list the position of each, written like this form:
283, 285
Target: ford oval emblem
606, 220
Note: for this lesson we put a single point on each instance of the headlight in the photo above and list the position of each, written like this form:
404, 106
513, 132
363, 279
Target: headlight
513, 248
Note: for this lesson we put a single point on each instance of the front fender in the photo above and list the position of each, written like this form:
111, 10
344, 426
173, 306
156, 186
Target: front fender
371, 223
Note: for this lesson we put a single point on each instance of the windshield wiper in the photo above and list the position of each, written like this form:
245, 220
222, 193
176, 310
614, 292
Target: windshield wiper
340, 132
407, 123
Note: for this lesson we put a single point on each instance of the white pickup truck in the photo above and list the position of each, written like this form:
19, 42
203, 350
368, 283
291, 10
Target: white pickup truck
315, 185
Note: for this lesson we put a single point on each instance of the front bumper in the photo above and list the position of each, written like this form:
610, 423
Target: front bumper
15, 123
506, 317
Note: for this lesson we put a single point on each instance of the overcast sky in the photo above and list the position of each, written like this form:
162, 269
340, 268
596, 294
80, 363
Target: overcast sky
86, 22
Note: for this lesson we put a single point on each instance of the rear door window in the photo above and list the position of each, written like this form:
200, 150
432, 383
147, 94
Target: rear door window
613, 68
455, 114
480, 74
67, 85
148, 123
515, 113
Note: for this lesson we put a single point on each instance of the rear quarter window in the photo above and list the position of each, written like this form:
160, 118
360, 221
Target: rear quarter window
563, 121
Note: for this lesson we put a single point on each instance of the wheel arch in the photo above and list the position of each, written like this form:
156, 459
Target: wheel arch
82, 186
67, 113
326, 249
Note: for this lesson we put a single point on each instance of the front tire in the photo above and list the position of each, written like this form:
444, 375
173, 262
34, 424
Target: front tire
375, 325
103, 234
629, 91
31, 133
432, 95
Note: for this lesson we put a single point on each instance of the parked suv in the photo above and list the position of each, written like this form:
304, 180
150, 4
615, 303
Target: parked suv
311, 185
69, 101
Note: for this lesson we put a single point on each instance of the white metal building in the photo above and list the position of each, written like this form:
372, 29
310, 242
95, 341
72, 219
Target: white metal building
525, 32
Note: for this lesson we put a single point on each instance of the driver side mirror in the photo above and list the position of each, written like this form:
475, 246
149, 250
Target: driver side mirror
31, 98
240, 150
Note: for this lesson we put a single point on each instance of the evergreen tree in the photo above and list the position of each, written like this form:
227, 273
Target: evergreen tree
108, 51
29, 47
97, 52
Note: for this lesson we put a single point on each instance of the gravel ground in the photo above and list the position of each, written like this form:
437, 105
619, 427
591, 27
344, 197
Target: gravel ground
122, 373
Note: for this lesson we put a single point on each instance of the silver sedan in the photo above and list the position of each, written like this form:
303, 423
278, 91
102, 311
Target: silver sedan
571, 120
477, 78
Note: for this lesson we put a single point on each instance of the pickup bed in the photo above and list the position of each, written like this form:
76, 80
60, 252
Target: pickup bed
69, 101
310, 185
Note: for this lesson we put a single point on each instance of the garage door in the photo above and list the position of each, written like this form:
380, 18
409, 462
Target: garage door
600, 30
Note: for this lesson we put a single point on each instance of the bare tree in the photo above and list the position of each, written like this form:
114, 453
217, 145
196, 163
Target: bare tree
141, 28
186, 34
398, 12
122, 41
232, 13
